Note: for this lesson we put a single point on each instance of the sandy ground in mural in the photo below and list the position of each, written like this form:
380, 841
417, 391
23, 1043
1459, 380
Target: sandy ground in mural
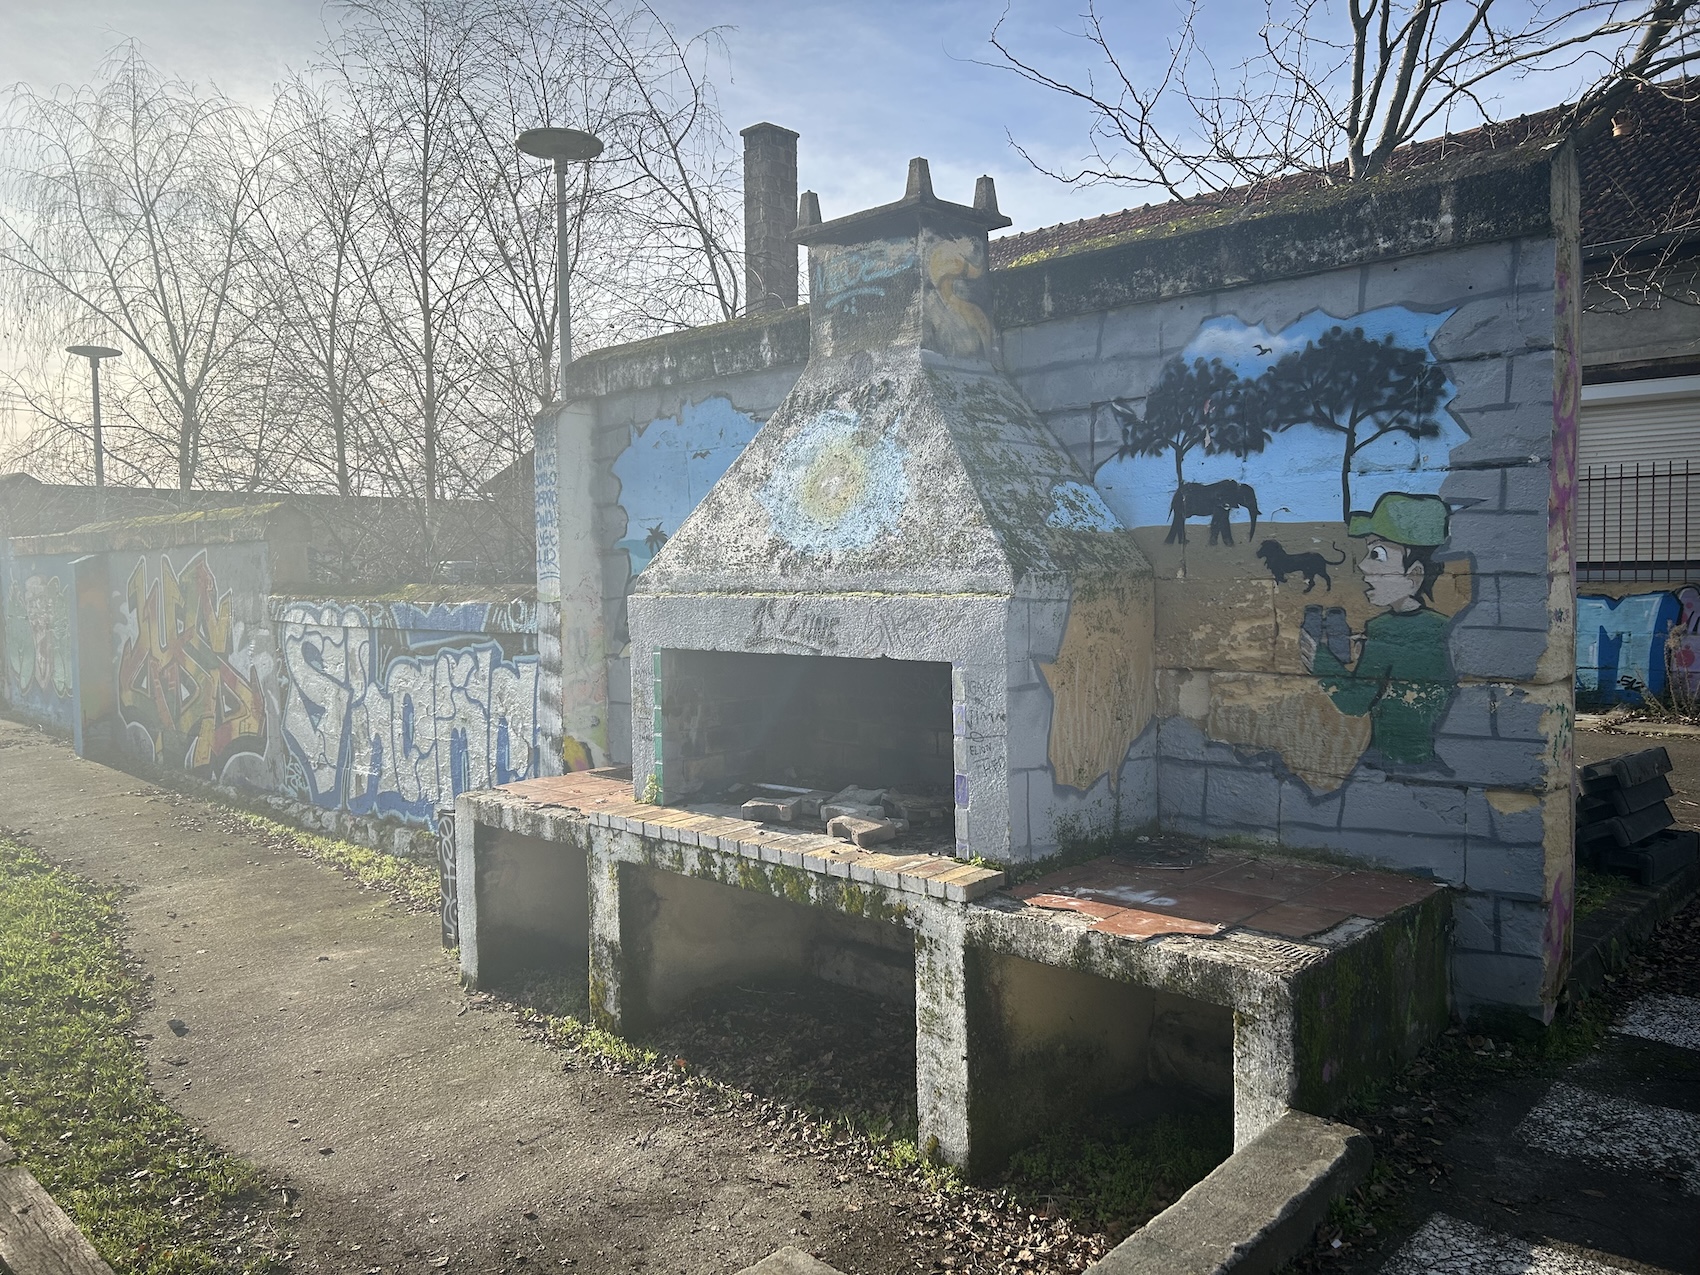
1224, 618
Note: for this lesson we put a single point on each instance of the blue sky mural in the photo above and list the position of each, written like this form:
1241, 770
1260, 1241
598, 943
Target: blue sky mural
1297, 473
670, 466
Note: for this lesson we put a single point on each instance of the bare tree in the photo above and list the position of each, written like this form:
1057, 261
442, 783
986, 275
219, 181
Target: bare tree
1335, 89
123, 217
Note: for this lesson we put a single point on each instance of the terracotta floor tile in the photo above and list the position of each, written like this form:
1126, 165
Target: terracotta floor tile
1133, 923
1275, 879
1367, 894
1295, 920
1208, 903
1072, 903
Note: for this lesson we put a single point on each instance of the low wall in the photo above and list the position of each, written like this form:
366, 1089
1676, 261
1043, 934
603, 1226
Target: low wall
1636, 639
190, 645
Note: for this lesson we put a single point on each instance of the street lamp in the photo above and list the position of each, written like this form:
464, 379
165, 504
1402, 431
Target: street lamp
564, 146
94, 354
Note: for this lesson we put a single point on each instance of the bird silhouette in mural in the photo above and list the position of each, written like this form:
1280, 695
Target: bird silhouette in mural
1263, 351
655, 539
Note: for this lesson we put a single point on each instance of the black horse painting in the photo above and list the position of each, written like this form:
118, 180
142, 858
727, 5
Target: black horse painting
1213, 501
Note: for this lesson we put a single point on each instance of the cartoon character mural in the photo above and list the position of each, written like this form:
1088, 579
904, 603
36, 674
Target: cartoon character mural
396, 722
1396, 671
1328, 432
1638, 645
190, 684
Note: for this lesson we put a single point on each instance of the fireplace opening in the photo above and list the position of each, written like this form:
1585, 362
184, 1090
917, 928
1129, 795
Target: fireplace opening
812, 722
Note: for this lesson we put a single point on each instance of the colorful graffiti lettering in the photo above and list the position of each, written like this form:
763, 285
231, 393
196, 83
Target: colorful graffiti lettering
850, 277
1642, 644
178, 684
38, 638
400, 733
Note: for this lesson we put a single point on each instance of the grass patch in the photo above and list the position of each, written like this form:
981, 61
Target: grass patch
413, 882
151, 1193
1596, 889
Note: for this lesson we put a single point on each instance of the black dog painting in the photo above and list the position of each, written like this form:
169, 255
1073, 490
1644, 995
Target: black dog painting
1282, 564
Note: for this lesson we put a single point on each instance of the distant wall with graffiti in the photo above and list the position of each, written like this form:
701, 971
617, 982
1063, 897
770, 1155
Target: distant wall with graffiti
37, 597
391, 709
196, 670
1635, 642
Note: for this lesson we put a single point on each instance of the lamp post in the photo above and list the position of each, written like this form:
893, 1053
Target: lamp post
94, 354
564, 146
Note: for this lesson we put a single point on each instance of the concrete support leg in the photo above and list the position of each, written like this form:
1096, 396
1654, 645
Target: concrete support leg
607, 961
1266, 1073
941, 1034
466, 889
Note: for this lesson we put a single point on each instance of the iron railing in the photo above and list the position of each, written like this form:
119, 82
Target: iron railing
1638, 521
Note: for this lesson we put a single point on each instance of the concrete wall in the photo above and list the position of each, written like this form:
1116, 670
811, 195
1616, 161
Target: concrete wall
196, 650
1636, 639
39, 664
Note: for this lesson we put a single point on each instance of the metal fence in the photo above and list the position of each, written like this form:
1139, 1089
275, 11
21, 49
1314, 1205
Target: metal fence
1638, 522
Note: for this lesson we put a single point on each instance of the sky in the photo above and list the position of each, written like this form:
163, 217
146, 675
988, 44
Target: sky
867, 83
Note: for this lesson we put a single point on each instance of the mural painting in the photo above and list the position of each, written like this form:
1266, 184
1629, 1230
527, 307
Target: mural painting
190, 683
669, 467
38, 644
396, 722
1639, 645
1319, 598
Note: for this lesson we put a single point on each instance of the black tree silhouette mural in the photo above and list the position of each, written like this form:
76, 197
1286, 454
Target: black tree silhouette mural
1359, 388
1205, 405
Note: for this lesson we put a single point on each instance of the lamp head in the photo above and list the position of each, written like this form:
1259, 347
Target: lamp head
563, 145
94, 351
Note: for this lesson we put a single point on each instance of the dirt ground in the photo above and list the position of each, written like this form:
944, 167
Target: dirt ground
408, 1126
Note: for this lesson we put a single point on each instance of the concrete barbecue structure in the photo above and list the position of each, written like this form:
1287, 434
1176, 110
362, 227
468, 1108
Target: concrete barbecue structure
1251, 529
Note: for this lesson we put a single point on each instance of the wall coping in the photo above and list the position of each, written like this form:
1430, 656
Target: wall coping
1480, 198
275, 521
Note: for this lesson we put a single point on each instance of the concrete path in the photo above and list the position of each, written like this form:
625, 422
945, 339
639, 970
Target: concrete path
329, 1042
1600, 1175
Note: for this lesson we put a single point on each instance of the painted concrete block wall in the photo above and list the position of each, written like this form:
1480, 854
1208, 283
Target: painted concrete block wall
195, 667
1322, 683
37, 646
648, 455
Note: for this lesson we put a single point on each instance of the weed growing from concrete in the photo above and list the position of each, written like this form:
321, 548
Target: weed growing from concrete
411, 882
149, 1191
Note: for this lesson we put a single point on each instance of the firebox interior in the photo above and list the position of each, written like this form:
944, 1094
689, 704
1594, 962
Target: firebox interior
806, 720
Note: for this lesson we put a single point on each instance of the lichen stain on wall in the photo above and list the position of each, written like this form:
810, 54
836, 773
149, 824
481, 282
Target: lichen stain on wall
1102, 685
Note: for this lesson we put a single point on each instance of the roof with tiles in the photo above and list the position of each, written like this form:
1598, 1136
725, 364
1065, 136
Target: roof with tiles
1643, 182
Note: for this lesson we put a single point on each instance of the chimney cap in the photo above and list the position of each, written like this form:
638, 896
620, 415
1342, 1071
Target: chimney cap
765, 127
918, 197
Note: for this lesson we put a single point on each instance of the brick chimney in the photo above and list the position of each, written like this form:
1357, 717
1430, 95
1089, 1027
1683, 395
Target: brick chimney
770, 215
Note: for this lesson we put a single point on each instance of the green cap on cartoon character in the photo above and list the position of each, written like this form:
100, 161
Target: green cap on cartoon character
1419, 521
